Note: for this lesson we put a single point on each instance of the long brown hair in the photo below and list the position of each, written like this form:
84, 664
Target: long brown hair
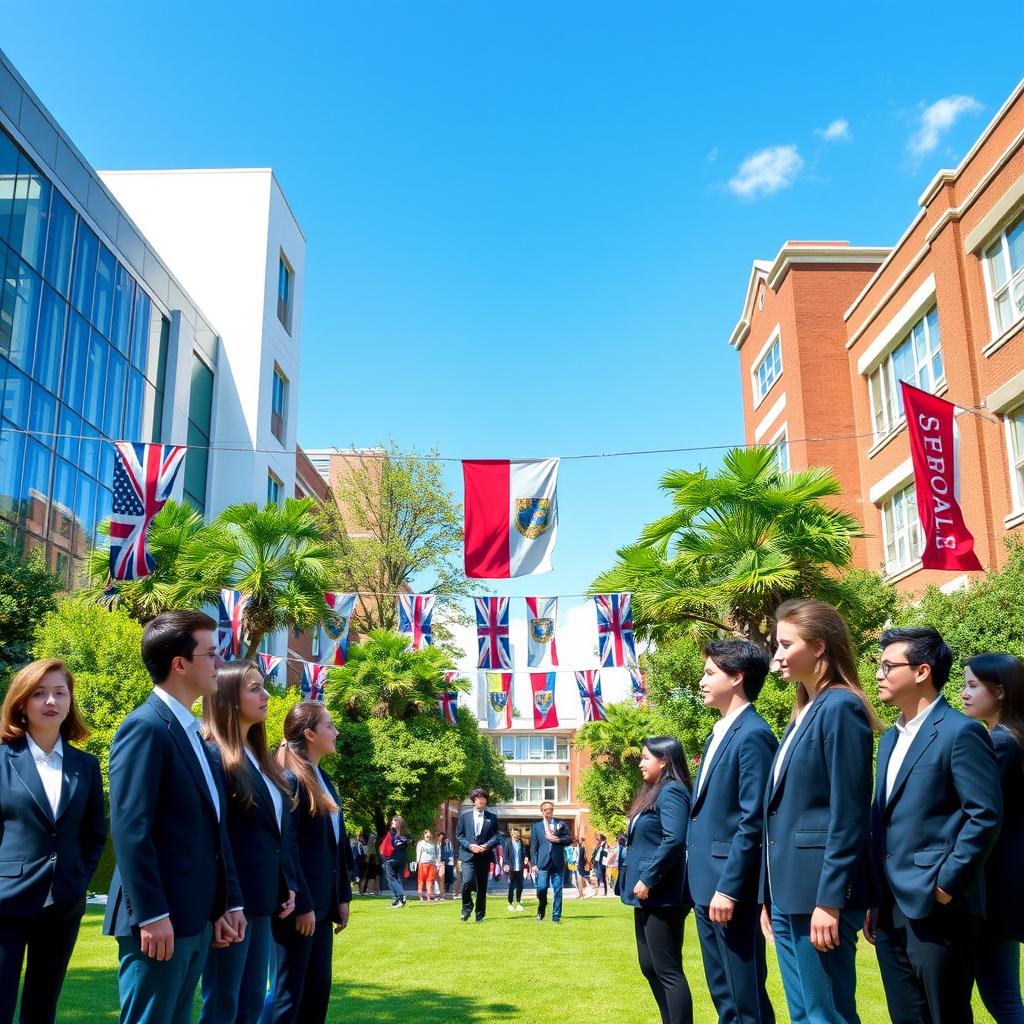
1003, 676
222, 724
14, 721
817, 622
293, 754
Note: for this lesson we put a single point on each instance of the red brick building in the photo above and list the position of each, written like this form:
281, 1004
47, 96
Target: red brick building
828, 330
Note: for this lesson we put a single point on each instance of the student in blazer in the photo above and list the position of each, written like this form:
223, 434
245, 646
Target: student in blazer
477, 836
653, 881
994, 694
52, 831
548, 840
174, 889
516, 861
935, 817
259, 825
723, 845
815, 877
304, 942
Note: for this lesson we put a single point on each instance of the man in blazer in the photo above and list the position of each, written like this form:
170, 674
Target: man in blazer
723, 847
477, 836
175, 887
935, 817
548, 840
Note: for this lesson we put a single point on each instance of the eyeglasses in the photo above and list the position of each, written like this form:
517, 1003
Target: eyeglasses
888, 666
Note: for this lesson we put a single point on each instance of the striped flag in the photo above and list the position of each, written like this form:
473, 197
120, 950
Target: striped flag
541, 622
499, 700
494, 650
268, 665
230, 623
639, 686
589, 684
334, 643
615, 630
448, 705
314, 679
415, 616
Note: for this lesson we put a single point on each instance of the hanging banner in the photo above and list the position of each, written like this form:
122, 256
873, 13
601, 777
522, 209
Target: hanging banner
511, 516
638, 685
494, 650
615, 630
314, 679
544, 714
334, 633
499, 700
448, 706
415, 617
935, 450
268, 665
589, 685
230, 633
541, 622
143, 479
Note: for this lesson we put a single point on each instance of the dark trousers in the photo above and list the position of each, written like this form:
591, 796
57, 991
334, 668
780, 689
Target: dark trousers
997, 966
515, 886
601, 877
234, 982
475, 873
659, 947
735, 966
395, 874
927, 965
300, 985
48, 940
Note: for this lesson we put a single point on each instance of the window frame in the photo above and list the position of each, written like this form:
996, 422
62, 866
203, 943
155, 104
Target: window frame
287, 301
1015, 457
780, 442
772, 349
274, 483
278, 420
1014, 278
910, 532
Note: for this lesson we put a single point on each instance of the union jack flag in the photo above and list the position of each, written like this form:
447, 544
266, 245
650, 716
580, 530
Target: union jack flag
636, 679
415, 615
615, 630
143, 479
230, 634
589, 684
314, 679
494, 650
269, 663
448, 705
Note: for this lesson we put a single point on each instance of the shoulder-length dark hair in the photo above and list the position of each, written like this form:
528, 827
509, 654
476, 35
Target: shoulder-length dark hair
14, 721
293, 754
222, 724
1003, 676
669, 750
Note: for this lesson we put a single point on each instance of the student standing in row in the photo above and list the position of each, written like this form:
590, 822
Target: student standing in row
52, 831
935, 817
816, 882
477, 836
723, 846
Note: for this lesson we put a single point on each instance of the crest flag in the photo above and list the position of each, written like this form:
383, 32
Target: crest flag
541, 622
499, 699
334, 641
544, 714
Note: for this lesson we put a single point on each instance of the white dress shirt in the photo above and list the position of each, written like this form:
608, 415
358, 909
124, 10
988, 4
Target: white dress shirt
478, 821
721, 727
190, 724
275, 794
51, 773
905, 733
780, 757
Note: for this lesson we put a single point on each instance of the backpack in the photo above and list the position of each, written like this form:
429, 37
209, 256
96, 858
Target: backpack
387, 847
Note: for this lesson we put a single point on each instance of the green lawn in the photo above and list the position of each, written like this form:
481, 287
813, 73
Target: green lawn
422, 964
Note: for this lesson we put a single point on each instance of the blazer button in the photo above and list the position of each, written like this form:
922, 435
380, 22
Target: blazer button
53, 856
53, 835
771, 814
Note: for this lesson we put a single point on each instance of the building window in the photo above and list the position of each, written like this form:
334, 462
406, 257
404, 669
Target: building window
285, 291
902, 530
768, 370
273, 489
532, 790
1015, 426
781, 445
532, 748
917, 359
278, 404
1004, 265
200, 414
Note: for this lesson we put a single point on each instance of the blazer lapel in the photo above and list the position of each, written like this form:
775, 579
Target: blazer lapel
25, 768
801, 732
185, 747
334, 796
925, 735
706, 769
259, 793
70, 779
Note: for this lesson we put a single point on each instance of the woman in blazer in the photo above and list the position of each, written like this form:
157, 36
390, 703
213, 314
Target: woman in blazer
994, 694
259, 826
816, 883
653, 879
52, 831
304, 942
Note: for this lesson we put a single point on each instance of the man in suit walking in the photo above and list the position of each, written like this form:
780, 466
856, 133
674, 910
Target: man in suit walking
477, 836
724, 838
935, 817
548, 840
175, 889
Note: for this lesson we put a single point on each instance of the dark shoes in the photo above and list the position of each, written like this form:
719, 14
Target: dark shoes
540, 917
464, 915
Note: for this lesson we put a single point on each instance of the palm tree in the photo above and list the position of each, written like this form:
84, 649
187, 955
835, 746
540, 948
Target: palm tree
619, 739
736, 545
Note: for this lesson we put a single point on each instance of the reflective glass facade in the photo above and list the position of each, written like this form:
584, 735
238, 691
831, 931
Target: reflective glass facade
83, 353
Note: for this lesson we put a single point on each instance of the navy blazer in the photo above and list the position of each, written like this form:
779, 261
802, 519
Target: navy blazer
465, 833
263, 849
657, 851
545, 855
941, 818
723, 844
524, 853
1005, 896
324, 863
173, 855
817, 816
38, 850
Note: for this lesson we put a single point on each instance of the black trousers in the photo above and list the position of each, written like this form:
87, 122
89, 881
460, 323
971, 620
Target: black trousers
659, 947
301, 974
735, 966
48, 940
515, 885
927, 965
475, 873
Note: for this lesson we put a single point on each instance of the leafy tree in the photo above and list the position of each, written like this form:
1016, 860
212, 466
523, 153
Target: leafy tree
27, 593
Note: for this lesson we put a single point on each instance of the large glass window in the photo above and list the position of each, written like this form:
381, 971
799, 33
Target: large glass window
103, 298
29, 212
901, 529
60, 243
285, 290
278, 404
533, 789
83, 276
533, 748
113, 404
140, 328
35, 487
200, 405
12, 454
274, 487
15, 397
95, 377
9, 156
21, 303
917, 359
1015, 421
768, 370
50, 339
1004, 265
72, 385
124, 296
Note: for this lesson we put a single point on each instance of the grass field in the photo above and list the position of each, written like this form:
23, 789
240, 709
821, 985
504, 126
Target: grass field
422, 964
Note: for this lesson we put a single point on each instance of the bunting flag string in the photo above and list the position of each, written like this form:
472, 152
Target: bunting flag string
334, 649
230, 632
589, 683
494, 650
638, 685
499, 700
541, 624
268, 665
314, 680
545, 715
615, 630
448, 705
415, 618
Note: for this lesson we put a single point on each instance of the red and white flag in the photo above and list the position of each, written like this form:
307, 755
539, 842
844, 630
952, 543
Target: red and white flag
415, 619
268, 665
935, 450
511, 516
541, 622
543, 686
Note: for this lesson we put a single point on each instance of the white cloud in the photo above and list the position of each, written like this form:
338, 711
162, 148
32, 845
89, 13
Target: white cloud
937, 119
712, 155
837, 131
766, 171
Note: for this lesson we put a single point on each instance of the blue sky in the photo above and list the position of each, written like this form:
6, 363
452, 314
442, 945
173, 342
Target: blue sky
530, 225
